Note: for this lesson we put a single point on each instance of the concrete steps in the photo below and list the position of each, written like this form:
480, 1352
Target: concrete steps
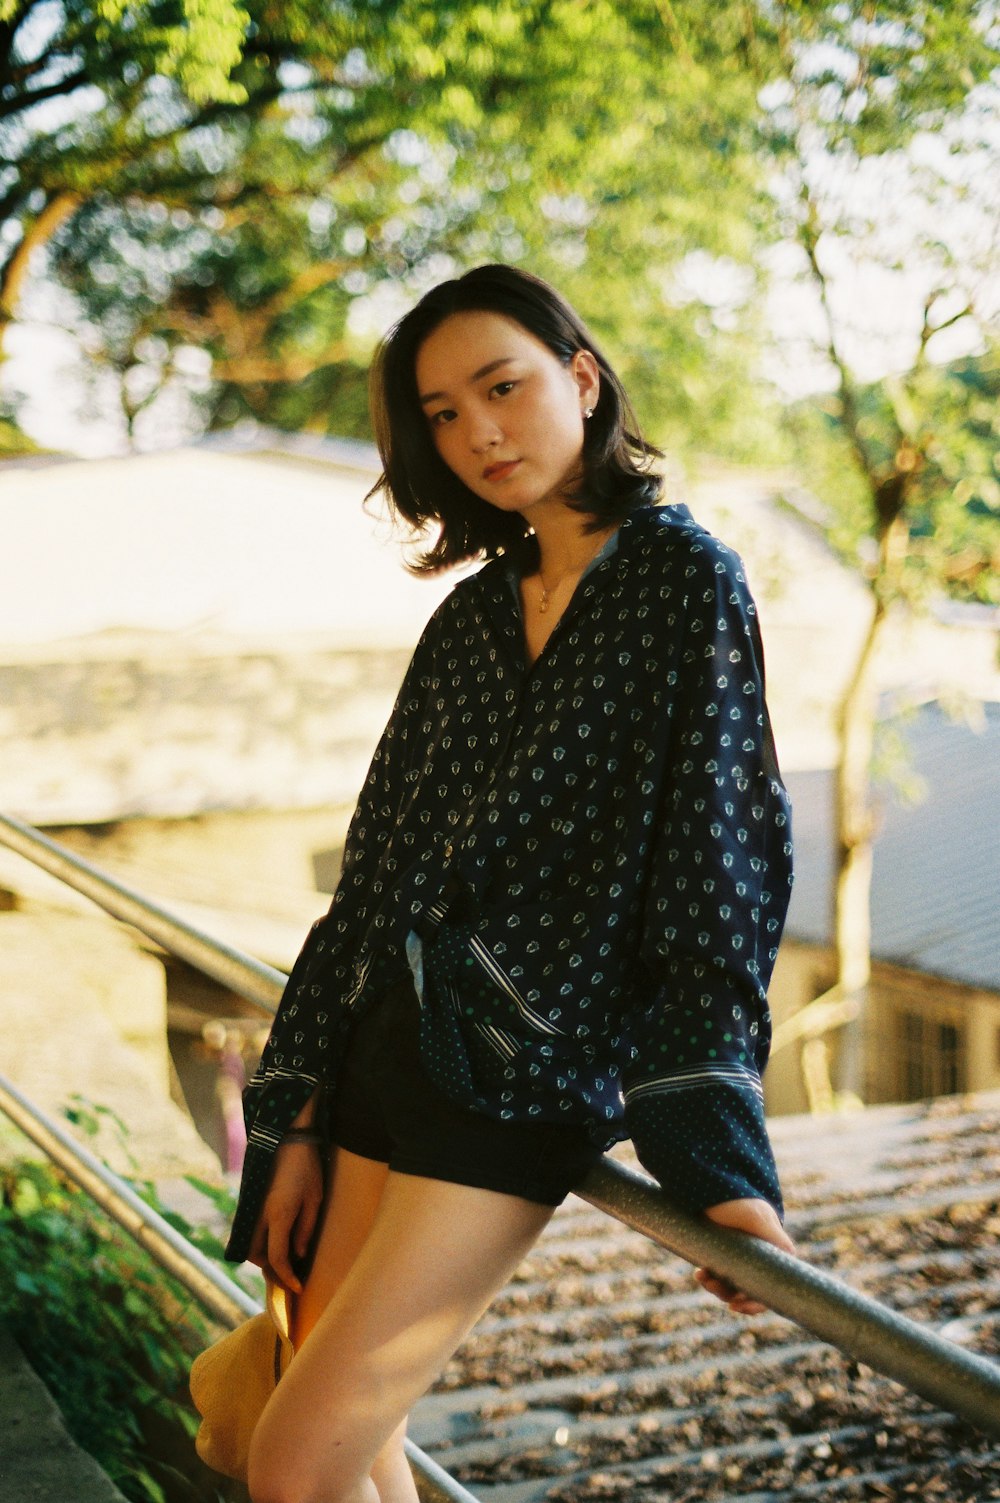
601, 1370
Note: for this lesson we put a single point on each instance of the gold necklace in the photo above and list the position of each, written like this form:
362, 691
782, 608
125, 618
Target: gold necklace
543, 604
577, 569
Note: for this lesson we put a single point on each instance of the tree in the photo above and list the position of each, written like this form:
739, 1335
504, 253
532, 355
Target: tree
369, 157
885, 127
78, 106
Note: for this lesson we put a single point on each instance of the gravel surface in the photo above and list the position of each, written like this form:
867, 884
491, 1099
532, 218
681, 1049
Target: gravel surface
602, 1370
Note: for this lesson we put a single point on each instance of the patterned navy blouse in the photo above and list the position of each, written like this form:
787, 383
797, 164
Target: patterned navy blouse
586, 863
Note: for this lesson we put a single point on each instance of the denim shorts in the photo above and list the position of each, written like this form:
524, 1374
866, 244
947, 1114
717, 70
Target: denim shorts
387, 1108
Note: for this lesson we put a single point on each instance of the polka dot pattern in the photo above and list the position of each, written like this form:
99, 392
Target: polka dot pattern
587, 860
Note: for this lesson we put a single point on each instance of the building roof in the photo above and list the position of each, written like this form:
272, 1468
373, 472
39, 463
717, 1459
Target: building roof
205, 541
936, 869
602, 1370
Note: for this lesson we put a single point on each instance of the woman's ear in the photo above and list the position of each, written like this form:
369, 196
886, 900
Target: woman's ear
586, 374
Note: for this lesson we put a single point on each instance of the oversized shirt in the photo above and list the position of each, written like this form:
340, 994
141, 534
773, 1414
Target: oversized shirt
586, 862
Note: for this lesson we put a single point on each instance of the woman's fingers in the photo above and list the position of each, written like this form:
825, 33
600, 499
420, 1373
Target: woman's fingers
738, 1300
290, 1212
278, 1258
305, 1225
755, 1218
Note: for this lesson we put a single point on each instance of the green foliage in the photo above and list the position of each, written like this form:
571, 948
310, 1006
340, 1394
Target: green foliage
13, 442
200, 48
381, 147
110, 1334
821, 454
102, 1126
110, 43
861, 79
953, 508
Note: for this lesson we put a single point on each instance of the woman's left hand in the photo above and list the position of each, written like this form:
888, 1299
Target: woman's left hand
757, 1219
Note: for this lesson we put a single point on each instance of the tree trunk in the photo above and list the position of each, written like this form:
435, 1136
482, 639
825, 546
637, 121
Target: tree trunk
855, 824
15, 273
853, 857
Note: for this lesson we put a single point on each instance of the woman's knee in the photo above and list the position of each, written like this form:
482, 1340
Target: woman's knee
288, 1469
269, 1481
277, 1479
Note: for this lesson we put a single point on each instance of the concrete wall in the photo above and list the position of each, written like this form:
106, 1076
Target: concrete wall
84, 1012
106, 731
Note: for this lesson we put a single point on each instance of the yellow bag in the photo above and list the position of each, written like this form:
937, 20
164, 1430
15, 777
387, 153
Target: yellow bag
233, 1379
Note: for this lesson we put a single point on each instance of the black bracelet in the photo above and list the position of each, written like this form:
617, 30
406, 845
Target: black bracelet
301, 1135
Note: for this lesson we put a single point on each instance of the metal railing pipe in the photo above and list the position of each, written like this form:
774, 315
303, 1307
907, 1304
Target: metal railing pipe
253, 979
960, 1381
211, 1287
217, 1293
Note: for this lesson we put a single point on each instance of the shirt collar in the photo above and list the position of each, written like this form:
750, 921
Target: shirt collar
608, 547
499, 581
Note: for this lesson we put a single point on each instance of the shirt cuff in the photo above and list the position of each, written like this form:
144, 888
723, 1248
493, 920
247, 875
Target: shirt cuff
704, 1142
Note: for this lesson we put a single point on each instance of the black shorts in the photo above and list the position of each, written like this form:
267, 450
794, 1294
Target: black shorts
387, 1108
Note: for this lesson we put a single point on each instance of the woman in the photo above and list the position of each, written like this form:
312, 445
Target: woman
562, 893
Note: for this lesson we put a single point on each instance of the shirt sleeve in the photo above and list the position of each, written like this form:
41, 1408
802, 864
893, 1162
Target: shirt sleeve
719, 888
322, 978
304, 1044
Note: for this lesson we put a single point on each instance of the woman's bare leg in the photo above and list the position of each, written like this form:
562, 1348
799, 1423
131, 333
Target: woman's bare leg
354, 1190
435, 1256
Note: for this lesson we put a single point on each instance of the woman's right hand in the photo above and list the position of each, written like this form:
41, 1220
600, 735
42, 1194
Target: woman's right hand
290, 1212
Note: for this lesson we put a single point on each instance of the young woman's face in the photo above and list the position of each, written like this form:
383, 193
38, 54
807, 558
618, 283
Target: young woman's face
506, 416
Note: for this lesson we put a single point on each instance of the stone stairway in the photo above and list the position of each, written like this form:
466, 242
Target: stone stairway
602, 1372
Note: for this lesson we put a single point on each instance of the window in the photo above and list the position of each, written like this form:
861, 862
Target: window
930, 1055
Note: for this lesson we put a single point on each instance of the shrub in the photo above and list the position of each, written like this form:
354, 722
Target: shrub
107, 1330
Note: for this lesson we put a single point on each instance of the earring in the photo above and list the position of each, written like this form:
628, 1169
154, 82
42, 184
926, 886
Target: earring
588, 412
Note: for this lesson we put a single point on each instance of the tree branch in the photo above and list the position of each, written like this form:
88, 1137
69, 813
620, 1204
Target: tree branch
9, 27
672, 27
244, 370
809, 233
55, 212
63, 47
66, 85
928, 330
306, 281
193, 327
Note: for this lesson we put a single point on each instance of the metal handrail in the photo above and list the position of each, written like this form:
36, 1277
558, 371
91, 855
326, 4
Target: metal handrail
920, 1359
251, 978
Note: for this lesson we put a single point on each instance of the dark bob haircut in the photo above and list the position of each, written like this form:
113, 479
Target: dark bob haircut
415, 480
